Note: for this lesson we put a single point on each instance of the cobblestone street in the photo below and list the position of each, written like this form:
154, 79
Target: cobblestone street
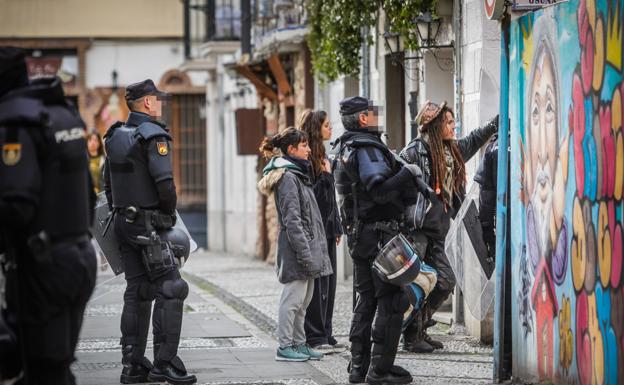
228, 333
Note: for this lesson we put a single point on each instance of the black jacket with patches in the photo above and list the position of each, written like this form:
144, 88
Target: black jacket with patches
44, 173
437, 219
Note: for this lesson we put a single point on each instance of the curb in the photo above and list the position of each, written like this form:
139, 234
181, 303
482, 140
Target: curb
261, 320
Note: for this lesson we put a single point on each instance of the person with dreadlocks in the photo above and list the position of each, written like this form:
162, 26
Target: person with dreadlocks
441, 158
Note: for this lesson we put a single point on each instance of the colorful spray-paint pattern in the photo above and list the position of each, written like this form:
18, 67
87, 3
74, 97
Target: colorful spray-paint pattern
567, 155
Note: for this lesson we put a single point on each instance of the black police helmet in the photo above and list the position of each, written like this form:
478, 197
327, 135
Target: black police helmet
178, 241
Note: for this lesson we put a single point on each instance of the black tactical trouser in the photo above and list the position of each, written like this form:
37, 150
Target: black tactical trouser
434, 256
167, 291
320, 312
378, 310
49, 311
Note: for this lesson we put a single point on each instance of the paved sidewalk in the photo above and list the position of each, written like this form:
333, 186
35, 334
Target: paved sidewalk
218, 344
250, 287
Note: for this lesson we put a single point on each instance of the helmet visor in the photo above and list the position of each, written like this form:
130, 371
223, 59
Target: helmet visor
396, 257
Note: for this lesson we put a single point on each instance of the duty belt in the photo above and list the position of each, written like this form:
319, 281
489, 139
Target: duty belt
389, 227
152, 217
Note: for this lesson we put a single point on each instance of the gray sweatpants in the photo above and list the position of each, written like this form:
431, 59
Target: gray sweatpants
296, 297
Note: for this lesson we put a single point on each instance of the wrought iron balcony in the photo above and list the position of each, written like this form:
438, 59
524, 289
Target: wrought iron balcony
272, 17
210, 20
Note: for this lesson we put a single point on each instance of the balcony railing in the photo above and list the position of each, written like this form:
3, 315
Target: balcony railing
221, 20
277, 15
210, 20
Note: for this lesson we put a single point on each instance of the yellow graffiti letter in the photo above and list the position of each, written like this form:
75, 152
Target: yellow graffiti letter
578, 258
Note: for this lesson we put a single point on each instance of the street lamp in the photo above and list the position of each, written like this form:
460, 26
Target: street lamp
394, 43
428, 29
114, 79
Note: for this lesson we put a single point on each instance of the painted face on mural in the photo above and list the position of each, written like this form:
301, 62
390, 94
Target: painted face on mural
542, 132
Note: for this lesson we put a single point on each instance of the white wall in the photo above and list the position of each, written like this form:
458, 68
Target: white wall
438, 85
232, 192
480, 93
133, 60
481, 69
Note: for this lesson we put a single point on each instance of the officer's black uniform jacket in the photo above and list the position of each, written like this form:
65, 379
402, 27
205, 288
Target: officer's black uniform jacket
372, 185
44, 174
436, 222
487, 176
138, 169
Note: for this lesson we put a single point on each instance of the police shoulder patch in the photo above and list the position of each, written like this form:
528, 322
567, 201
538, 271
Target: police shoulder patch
11, 153
162, 148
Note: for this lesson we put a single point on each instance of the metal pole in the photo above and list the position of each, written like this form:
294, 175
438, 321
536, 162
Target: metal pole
246, 26
364, 76
502, 207
187, 29
222, 150
211, 20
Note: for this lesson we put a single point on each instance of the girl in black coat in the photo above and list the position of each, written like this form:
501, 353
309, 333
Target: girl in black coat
318, 321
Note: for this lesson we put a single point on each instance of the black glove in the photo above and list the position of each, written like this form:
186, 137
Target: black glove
414, 169
494, 122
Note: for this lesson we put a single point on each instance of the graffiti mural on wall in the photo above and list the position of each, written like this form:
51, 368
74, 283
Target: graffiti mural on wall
566, 111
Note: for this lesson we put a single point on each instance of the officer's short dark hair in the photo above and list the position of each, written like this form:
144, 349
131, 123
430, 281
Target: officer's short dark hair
352, 121
135, 104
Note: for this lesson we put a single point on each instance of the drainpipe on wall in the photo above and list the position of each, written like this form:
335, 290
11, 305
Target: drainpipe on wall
458, 298
187, 29
365, 75
221, 98
457, 28
502, 209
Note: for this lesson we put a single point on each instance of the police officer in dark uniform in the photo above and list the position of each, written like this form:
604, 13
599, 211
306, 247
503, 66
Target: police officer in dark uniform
372, 187
486, 176
138, 180
44, 221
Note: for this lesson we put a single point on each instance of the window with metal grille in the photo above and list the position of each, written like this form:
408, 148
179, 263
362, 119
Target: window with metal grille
186, 118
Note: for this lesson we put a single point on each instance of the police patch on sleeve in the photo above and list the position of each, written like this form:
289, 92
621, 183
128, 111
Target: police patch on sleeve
162, 148
11, 153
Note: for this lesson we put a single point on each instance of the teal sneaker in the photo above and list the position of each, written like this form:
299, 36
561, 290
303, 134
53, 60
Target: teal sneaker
308, 351
289, 353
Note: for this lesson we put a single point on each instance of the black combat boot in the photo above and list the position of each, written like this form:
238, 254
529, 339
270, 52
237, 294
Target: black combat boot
413, 337
427, 323
134, 370
435, 344
381, 369
172, 372
358, 366
396, 375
